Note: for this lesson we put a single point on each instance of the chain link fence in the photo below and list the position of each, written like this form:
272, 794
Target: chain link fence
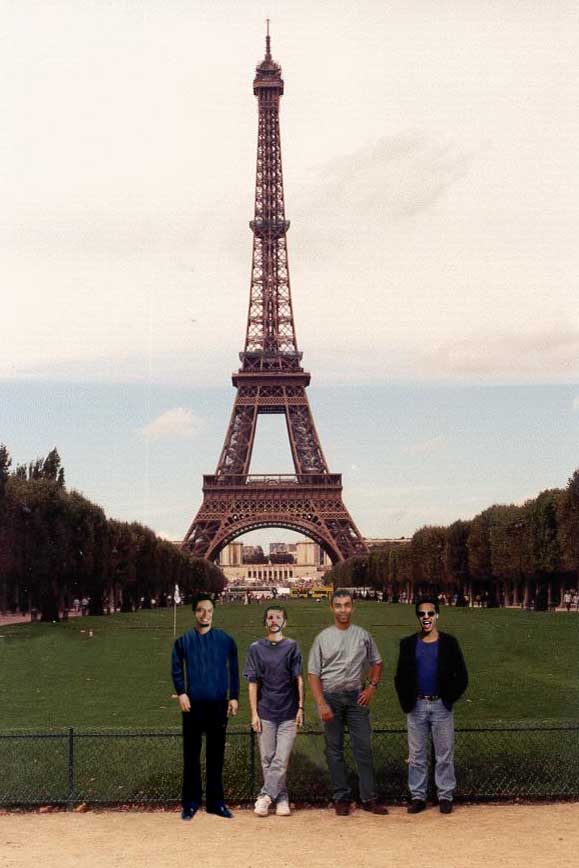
495, 762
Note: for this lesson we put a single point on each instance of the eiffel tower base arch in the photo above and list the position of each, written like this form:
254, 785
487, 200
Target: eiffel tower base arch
310, 504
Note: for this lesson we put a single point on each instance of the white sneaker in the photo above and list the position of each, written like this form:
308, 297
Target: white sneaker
282, 808
262, 804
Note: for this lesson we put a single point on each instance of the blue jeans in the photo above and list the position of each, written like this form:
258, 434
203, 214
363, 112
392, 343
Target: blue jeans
357, 717
275, 746
433, 717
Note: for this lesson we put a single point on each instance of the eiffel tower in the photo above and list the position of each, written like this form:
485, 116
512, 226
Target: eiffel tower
271, 380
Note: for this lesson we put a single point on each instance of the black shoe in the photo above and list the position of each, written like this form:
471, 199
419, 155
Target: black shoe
189, 811
342, 809
445, 806
417, 806
374, 807
220, 811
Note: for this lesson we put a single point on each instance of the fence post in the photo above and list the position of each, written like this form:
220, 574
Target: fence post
71, 775
252, 762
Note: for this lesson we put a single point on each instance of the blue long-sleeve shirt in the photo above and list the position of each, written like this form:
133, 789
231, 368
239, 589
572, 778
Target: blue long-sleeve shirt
209, 663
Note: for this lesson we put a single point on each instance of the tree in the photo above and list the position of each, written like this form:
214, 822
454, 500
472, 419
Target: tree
5, 462
427, 548
545, 544
568, 525
52, 468
456, 555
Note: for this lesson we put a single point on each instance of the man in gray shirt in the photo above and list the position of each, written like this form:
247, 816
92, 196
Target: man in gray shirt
340, 658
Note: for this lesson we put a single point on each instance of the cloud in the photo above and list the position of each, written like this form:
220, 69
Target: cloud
178, 423
397, 175
425, 446
552, 351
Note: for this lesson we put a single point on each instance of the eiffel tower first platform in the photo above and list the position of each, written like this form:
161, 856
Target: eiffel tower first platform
271, 380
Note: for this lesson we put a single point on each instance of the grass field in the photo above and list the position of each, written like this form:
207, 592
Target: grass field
522, 665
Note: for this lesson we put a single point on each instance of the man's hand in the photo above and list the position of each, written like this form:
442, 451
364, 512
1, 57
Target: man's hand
256, 723
184, 702
366, 695
232, 707
300, 717
326, 712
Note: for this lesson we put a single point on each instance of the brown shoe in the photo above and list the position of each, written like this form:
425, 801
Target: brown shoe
342, 808
374, 807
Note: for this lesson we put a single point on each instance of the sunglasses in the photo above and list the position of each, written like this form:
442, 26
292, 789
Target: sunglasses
426, 614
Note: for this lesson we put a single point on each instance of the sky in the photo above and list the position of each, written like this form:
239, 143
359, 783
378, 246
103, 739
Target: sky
431, 180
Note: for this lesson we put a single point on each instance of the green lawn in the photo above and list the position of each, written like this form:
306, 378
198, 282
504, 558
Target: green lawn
522, 665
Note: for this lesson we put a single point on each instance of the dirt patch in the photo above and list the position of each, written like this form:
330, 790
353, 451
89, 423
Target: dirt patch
474, 836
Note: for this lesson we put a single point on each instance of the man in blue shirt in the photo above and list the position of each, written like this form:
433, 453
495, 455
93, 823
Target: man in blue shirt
431, 675
276, 698
207, 660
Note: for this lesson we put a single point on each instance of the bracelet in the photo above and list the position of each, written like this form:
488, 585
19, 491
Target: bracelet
300, 708
375, 684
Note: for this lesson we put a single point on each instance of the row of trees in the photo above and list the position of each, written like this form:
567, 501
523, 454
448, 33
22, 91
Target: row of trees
513, 555
55, 546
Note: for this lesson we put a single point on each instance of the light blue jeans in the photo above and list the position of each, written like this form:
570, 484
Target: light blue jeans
275, 746
431, 717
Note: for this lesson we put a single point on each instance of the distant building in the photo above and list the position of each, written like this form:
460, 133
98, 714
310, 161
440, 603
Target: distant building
310, 563
374, 542
283, 548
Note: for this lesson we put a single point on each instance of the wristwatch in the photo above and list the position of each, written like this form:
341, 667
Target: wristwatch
375, 684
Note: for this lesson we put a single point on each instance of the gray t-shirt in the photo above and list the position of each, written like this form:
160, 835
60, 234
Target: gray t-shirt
340, 658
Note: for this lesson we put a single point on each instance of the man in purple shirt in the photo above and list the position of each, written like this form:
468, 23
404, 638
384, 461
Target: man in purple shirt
276, 699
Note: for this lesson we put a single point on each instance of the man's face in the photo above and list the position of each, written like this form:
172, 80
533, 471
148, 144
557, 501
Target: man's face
427, 617
204, 614
274, 621
342, 607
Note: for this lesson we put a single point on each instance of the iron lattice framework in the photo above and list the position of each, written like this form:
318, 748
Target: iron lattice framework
271, 380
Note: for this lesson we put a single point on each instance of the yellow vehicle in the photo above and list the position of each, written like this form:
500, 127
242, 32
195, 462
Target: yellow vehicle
323, 592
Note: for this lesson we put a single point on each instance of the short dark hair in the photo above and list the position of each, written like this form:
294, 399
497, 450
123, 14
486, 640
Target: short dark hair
427, 599
198, 598
273, 608
341, 592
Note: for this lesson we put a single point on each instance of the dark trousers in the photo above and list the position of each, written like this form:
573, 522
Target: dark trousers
209, 718
356, 717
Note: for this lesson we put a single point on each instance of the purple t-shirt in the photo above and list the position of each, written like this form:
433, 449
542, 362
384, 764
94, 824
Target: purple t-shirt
275, 666
427, 667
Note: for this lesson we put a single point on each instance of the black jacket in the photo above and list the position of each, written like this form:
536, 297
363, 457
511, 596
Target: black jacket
452, 674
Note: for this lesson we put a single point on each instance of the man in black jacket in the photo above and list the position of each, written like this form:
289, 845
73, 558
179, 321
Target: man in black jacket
430, 677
